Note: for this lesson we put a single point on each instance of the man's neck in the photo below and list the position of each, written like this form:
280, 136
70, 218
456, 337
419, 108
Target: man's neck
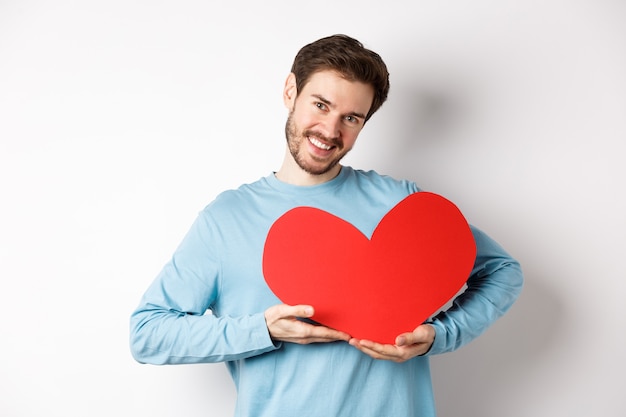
291, 173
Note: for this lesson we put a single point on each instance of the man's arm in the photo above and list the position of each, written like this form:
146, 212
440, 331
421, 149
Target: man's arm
170, 325
493, 286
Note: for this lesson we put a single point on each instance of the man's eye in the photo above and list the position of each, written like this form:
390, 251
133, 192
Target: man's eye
352, 119
320, 106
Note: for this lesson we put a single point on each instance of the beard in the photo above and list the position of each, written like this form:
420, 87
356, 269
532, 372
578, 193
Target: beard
296, 143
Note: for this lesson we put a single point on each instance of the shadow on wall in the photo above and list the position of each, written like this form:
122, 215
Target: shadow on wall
485, 377
425, 125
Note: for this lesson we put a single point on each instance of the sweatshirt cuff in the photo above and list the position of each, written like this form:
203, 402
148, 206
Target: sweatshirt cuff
439, 343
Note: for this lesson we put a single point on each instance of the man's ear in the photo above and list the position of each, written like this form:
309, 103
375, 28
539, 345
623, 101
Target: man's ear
290, 92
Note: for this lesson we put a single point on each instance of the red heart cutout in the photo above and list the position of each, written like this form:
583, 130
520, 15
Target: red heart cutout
419, 256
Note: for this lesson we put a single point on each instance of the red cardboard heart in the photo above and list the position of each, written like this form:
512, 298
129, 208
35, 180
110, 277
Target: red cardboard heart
419, 256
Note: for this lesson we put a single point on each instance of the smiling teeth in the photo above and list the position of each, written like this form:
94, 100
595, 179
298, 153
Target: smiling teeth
319, 144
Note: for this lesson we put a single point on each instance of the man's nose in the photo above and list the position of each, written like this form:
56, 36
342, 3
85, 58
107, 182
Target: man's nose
332, 127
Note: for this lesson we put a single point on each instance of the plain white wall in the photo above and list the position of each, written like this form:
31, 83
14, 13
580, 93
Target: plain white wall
120, 120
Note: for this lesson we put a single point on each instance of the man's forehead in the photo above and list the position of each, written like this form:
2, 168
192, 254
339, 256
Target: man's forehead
334, 89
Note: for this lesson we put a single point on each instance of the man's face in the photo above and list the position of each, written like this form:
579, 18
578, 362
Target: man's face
325, 119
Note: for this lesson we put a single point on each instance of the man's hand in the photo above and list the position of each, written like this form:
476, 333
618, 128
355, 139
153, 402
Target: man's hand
408, 345
283, 325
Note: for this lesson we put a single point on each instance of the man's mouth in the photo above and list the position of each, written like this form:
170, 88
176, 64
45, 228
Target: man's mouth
318, 144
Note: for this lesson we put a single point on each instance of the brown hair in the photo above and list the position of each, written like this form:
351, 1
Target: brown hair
349, 58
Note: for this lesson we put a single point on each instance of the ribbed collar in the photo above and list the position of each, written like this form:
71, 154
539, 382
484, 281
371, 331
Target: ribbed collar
284, 187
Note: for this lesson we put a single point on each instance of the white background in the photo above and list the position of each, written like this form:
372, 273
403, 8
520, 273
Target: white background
120, 120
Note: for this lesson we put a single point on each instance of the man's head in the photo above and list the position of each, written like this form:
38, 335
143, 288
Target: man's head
348, 57
334, 88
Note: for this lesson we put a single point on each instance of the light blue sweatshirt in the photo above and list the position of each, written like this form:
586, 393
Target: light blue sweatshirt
218, 269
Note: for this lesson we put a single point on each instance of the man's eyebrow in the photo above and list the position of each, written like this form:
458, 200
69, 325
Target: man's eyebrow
323, 100
331, 105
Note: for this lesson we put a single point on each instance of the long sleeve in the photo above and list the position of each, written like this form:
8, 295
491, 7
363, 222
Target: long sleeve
171, 325
493, 286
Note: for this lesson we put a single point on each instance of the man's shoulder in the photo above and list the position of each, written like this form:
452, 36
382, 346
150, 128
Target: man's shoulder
372, 178
237, 197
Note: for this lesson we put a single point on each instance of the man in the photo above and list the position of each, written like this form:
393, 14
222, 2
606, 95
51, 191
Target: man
281, 364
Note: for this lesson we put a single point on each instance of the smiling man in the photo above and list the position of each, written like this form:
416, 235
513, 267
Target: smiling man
324, 121
281, 364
